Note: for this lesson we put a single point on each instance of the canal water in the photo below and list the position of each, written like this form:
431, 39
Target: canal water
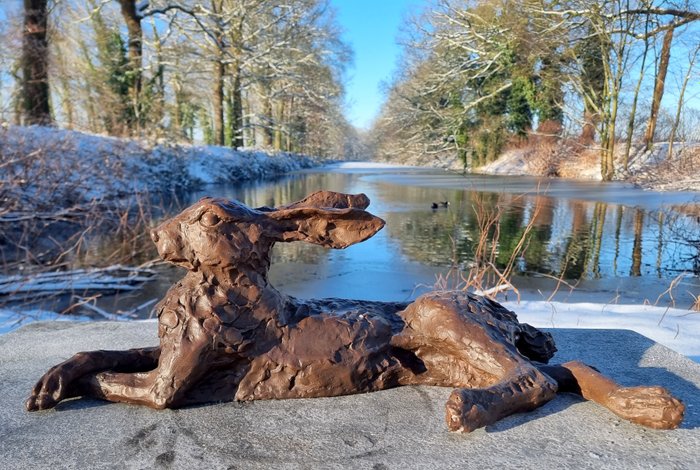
587, 241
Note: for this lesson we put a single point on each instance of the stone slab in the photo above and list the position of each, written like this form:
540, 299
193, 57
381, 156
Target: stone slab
400, 428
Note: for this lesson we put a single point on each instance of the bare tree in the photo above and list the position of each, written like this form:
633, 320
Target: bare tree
35, 78
660, 82
236, 72
132, 17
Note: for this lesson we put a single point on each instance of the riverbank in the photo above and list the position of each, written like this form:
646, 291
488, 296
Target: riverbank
648, 169
418, 245
60, 188
45, 169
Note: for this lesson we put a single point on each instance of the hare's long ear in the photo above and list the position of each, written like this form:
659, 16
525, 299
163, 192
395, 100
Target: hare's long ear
330, 199
333, 228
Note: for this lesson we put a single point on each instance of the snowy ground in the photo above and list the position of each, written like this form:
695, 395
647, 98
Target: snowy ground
211, 164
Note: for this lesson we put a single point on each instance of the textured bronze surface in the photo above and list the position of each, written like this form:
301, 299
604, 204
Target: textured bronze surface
227, 334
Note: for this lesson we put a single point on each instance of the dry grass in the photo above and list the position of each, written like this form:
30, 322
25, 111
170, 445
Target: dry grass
681, 173
581, 161
695, 306
58, 212
544, 159
55, 200
548, 155
485, 276
50, 224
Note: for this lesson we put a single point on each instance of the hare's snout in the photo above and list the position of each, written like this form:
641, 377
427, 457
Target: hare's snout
167, 245
162, 240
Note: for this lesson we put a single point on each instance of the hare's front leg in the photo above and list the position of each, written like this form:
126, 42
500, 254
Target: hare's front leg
184, 360
66, 380
471, 408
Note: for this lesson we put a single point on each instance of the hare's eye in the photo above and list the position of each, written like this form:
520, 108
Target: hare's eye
209, 219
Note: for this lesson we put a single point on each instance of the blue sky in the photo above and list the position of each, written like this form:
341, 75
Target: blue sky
371, 28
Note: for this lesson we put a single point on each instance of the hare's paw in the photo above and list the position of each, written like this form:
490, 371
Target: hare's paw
49, 390
653, 407
464, 413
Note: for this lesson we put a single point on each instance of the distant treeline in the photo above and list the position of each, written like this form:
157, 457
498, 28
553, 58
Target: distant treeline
570, 76
255, 73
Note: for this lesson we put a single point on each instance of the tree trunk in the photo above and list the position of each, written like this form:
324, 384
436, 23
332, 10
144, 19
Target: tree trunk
267, 118
228, 119
67, 102
248, 127
35, 78
219, 102
179, 105
286, 121
658, 89
278, 129
237, 107
135, 47
633, 110
590, 123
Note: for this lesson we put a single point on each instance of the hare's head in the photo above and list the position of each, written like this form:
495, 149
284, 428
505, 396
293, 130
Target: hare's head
219, 233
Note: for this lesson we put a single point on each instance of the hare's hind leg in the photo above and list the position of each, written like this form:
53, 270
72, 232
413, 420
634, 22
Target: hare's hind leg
653, 406
460, 344
471, 408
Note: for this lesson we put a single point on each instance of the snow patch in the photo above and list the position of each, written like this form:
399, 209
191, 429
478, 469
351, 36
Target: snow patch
511, 163
211, 164
11, 320
674, 328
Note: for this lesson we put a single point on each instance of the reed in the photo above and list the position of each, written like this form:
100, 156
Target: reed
487, 275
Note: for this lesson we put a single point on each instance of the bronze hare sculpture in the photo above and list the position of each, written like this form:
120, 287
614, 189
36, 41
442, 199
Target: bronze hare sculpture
227, 334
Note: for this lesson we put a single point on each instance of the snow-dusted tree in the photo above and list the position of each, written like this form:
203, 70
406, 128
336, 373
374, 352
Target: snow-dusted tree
478, 73
238, 72
482, 73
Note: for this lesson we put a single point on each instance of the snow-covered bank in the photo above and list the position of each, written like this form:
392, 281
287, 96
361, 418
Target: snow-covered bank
650, 169
674, 328
520, 162
73, 168
211, 164
445, 161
